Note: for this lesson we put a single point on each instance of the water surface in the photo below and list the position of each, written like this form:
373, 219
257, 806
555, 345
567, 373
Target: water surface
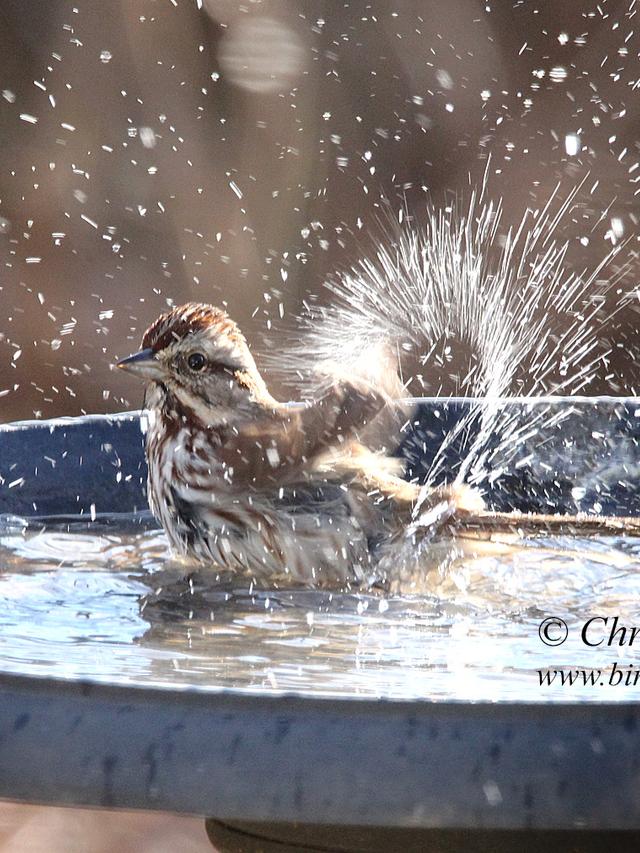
107, 603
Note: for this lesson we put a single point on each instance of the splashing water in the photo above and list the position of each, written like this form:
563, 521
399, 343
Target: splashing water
531, 326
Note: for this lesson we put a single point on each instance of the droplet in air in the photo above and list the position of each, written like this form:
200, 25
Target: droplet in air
558, 73
572, 144
261, 54
147, 137
617, 226
444, 78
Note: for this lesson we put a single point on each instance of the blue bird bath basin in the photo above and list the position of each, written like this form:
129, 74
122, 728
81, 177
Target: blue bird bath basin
125, 684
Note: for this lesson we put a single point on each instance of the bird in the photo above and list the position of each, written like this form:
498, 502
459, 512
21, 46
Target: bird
278, 492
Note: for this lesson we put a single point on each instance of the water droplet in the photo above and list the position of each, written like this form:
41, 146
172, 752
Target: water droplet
444, 78
572, 144
147, 137
558, 73
261, 54
617, 226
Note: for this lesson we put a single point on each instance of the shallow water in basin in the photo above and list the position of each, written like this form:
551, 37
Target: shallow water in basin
105, 605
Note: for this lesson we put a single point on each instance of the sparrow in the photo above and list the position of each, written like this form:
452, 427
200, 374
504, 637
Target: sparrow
279, 492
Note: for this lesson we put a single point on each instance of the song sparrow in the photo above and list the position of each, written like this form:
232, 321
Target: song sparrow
276, 491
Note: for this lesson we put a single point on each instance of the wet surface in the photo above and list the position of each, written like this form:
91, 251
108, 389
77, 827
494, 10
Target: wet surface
102, 603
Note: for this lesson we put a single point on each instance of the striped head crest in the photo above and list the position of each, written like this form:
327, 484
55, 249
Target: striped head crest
190, 319
198, 361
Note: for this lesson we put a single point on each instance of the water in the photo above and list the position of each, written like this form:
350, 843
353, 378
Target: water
107, 603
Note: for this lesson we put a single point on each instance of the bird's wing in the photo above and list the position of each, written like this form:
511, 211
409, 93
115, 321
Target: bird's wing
378, 366
281, 447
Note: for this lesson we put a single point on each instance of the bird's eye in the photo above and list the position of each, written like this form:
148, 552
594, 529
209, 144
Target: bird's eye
196, 361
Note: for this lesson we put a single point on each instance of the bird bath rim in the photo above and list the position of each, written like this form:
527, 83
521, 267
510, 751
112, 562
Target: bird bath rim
283, 759
576, 399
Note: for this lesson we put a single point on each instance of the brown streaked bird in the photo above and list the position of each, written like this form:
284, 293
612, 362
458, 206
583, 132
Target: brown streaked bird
278, 492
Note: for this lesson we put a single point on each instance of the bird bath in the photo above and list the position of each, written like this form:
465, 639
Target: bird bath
123, 684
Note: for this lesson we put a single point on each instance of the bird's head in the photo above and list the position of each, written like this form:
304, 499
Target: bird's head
196, 362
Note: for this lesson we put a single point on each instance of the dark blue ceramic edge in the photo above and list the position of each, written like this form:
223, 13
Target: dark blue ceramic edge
284, 759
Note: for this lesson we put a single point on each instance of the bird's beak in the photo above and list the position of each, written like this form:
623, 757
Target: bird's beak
143, 364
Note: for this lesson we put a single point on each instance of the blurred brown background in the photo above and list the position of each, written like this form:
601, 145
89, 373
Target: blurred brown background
238, 152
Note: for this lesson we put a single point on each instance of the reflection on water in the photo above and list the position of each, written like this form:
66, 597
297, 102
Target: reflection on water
111, 606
